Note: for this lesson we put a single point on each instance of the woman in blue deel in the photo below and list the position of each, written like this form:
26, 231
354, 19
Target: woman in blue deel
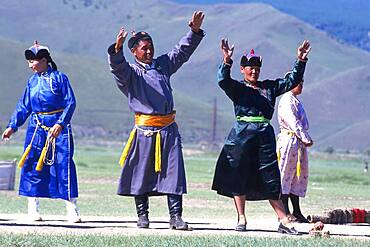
47, 166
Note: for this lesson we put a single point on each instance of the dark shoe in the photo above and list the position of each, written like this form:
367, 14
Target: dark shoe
143, 221
174, 205
288, 229
300, 218
142, 206
241, 228
177, 223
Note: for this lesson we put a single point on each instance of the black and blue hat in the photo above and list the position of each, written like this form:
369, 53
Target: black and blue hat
251, 59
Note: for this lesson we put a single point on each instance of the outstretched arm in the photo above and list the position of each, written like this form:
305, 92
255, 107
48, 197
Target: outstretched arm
291, 81
187, 45
229, 85
118, 65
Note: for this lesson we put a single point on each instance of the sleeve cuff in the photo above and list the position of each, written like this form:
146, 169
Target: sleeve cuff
229, 63
60, 122
115, 58
14, 128
200, 33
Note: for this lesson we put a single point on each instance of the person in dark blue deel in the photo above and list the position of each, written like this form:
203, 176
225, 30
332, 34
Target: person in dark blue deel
47, 166
247, 167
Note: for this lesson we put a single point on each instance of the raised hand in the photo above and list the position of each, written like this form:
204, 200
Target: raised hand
303, 50
196, 21
226, 50
121, 37
7, 133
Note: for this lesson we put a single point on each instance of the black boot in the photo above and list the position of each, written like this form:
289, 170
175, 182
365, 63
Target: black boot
175, 210
142, 206
297, 210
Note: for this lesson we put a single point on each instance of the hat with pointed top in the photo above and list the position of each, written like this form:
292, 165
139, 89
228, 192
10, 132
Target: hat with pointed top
251, 59
37, 51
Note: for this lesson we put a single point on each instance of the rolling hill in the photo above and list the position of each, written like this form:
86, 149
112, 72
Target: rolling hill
344, 20
102, 110
80, 31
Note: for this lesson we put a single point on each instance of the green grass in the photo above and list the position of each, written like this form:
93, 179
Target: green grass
334, 182
132, 241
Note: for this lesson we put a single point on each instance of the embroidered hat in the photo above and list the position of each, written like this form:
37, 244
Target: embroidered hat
251, 59
37, 51
137, 37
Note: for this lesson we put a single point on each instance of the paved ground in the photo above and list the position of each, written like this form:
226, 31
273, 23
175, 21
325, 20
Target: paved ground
55, 224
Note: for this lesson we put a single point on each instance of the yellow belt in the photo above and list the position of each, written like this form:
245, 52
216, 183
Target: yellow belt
161, 121
291, 133
50, 112
49, 141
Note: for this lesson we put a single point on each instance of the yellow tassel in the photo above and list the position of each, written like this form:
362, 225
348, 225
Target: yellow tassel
127, 147
40, 163
24, 156
158, 156
299, 163
278, 156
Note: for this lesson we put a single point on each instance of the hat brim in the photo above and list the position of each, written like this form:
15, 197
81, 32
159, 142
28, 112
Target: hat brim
30, 55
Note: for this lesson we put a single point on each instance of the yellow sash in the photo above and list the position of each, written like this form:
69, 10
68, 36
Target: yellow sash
161, 121
41, 160
291, 133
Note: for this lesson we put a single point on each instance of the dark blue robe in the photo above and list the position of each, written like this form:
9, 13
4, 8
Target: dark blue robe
248, 164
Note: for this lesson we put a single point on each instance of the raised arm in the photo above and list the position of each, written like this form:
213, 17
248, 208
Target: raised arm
294, 78
187, 45
229, 85
120, 68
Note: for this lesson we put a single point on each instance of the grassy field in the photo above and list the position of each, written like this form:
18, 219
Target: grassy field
173, 241
335, 181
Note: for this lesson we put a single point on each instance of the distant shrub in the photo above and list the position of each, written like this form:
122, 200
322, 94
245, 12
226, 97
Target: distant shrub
329, 150
367, 151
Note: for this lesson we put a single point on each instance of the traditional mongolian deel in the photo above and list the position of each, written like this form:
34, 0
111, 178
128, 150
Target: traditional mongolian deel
48, 100
149, 92
247, 164
293, 158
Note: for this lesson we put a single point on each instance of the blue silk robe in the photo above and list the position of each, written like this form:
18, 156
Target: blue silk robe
247, 164
47, 92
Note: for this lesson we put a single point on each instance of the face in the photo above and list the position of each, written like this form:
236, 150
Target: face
298, 89
144, 51
251, 73
38, 65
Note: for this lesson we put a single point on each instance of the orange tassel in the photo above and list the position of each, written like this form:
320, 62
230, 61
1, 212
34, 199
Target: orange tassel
40, 163
24, 156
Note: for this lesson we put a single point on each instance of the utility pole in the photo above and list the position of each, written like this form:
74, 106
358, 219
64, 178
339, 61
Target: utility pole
214, 121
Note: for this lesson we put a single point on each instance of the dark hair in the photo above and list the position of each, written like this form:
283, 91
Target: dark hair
52, 63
